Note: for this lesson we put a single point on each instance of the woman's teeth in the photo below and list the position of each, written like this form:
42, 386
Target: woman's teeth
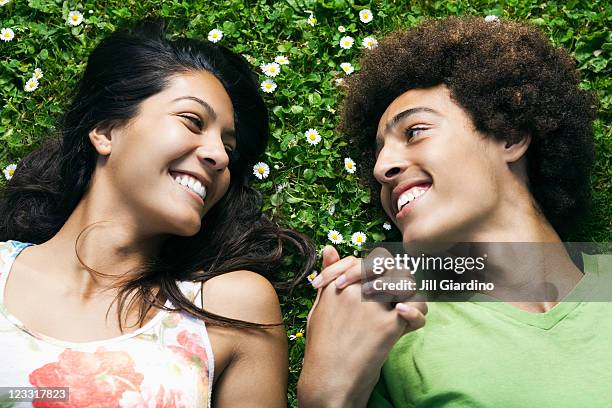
409, 195
192, 184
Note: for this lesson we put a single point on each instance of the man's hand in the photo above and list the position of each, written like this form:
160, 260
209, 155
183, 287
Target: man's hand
348, 339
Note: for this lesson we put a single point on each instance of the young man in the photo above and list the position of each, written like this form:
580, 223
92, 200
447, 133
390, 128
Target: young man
475, 131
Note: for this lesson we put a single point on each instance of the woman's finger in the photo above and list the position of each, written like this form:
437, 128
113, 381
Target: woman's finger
330, 256
333, 271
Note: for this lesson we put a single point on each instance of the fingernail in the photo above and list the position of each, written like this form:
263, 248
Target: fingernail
401, 307
316, 282
340, 281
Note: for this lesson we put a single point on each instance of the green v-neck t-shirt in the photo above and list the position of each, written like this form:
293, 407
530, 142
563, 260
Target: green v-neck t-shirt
491, 354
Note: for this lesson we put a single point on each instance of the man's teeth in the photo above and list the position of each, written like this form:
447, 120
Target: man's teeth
193, 184
409, 195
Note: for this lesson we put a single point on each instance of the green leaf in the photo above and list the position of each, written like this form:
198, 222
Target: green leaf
309, 175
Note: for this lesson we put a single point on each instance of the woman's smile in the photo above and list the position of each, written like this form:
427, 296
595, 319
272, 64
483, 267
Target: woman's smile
190, 184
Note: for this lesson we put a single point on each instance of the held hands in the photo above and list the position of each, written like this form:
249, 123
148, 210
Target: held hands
348, 339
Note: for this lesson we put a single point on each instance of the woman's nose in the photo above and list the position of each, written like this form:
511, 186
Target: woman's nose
213, 154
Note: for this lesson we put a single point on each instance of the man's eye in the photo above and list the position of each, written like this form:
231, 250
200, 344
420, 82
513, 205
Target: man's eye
413, 132
195, 120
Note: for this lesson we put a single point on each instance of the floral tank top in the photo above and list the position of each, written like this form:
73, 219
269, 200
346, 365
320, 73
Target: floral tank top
166, 363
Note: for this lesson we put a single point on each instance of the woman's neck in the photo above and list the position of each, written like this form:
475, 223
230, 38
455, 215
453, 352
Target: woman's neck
105, 244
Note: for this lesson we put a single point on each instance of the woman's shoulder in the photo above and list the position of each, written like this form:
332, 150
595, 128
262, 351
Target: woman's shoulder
9, 249
243, 295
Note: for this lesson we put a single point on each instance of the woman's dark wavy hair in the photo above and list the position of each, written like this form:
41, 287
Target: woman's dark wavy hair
127, 67
511, 81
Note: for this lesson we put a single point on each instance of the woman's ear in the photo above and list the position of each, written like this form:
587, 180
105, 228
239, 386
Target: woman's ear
513, 152
101, 139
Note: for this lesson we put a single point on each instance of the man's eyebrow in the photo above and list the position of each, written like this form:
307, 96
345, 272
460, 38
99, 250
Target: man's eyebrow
211, 112
404, 114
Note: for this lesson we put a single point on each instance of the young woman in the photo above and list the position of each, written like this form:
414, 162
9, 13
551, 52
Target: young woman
136, 226
475, 131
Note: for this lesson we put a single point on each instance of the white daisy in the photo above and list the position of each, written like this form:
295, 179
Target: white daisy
268, 86
365, 16
492, 19
338, 81
7, 34
31, 85
38, 73
387, 226
281, 59
4, 2
9, 171
349, 165
261, 170
312, 136
312, 20
346, 42
312, 276
358, 238
335, 237
330, 109
342, 29
272, 69
215, 35
297, 335
282, 185
75, 18
370, 42
347, 67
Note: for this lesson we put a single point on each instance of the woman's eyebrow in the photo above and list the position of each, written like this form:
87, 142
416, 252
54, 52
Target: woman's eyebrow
211, 112
404, 114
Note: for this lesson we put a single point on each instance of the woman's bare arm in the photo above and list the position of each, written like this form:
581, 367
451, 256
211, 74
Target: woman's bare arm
253, 362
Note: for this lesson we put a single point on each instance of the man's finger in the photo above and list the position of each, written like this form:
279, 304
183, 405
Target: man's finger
413, 313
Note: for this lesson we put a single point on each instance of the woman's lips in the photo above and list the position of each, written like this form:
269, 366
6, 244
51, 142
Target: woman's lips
188, 190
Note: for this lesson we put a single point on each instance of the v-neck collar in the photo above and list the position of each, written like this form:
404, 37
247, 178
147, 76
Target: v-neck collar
549, 319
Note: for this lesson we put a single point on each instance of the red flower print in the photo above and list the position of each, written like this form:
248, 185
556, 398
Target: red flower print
192, 349
94, 379
148, 399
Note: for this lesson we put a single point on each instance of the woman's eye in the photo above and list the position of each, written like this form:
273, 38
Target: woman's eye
229, 149
195, 120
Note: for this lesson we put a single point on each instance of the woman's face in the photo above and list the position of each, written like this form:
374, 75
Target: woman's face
182, 135
440, 178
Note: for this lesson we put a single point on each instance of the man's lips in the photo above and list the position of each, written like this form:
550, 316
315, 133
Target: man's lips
403, 187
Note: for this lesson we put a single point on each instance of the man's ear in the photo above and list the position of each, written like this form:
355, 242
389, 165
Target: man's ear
101, 138
513, 152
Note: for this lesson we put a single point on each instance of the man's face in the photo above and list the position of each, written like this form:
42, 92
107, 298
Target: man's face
440, 178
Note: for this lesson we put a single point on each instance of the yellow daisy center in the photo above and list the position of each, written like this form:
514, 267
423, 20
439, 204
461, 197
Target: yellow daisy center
299, 334
11, 172
261, 170
349, 165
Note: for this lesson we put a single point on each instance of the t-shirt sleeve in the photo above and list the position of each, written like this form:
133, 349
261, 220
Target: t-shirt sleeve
380, 396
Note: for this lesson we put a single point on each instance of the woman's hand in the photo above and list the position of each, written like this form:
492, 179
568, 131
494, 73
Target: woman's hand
348, 339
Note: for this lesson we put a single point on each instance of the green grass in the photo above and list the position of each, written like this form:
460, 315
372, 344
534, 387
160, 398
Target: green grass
313, 177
